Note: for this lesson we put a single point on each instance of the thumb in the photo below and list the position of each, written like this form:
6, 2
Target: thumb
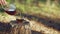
4, 2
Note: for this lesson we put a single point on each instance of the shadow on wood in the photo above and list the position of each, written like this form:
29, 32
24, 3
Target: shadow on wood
36, 32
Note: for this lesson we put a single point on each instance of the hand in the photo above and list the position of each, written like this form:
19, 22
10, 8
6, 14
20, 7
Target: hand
3, 2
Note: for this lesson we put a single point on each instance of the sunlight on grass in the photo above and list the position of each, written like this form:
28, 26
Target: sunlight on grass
43, 9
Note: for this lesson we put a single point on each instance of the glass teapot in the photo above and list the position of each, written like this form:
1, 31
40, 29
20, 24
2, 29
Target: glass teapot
10, 8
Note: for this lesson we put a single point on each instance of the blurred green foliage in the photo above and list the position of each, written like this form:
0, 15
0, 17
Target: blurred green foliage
30, 8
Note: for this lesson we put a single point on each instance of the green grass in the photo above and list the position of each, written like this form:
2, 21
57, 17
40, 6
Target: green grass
43, 9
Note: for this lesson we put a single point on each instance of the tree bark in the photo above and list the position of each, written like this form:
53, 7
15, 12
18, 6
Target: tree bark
48, 2
35, 2
56, 2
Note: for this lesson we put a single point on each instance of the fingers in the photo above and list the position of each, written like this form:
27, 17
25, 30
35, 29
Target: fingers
3, 2
0, 2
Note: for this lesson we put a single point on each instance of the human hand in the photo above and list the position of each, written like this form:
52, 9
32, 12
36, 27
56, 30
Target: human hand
3, 2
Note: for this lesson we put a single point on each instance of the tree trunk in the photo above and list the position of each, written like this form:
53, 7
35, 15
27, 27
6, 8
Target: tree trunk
35, 2
48, 2
56, 2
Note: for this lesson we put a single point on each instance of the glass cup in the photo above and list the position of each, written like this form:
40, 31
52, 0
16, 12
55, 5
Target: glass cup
11, 9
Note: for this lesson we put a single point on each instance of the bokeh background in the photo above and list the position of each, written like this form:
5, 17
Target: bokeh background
46, 12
